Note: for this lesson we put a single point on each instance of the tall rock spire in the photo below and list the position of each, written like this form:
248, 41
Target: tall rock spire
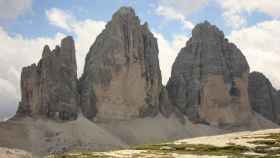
50, 88
122, 78
209, 79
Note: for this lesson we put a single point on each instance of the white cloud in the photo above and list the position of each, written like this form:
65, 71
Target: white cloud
234, 20
234, 10
171, 14
168, 51
260, 45
60, 18
10, 9
179, 10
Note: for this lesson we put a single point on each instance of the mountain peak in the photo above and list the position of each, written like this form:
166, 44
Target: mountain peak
46, 51
68, 42
206, 30
124, 11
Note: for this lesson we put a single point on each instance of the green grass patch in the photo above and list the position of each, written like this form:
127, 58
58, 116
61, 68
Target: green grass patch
197, 149
268, 145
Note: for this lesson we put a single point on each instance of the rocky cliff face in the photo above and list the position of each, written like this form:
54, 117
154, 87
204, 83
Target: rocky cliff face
122, 78
50, 87
264, 98
209, 79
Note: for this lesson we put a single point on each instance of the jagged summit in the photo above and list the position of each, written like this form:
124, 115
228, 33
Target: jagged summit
124, 11
125, 15
205, 30
124, 18
46, 51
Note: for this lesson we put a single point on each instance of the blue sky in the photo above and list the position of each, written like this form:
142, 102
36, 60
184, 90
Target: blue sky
34, 22
27, 25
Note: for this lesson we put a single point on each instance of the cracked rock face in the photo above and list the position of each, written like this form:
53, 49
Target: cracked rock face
50, 88
209, 79
122, 78
264, 98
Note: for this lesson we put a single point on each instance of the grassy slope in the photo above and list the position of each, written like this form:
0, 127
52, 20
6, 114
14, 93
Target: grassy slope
260, 146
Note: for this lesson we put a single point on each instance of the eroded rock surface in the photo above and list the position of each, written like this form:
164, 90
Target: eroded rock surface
264, 98
50, 87
209, 79
122, 78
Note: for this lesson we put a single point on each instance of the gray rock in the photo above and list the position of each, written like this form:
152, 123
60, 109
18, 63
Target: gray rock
209, 79
264, 98
166, 107
50, 88
122, 78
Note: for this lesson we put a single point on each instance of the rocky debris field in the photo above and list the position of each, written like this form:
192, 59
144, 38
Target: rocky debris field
14, 153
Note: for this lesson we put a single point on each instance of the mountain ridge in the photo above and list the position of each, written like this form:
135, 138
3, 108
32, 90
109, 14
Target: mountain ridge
120, 100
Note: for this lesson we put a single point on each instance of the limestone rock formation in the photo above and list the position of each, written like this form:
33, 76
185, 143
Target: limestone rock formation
264, 97
122, 78
209, 79
50, 87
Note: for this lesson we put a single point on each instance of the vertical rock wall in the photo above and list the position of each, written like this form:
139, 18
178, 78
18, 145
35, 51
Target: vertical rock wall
50, 87
122, 78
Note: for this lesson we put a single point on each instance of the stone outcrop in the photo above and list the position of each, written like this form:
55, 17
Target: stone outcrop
209, 79
50, 88
122, 78
264, 98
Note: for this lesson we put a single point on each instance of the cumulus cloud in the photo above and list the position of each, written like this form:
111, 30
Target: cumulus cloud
260, 44
85, 31
10, 9
234, 10
168, 51
60, 18
234, 20
179, 10
171, 14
